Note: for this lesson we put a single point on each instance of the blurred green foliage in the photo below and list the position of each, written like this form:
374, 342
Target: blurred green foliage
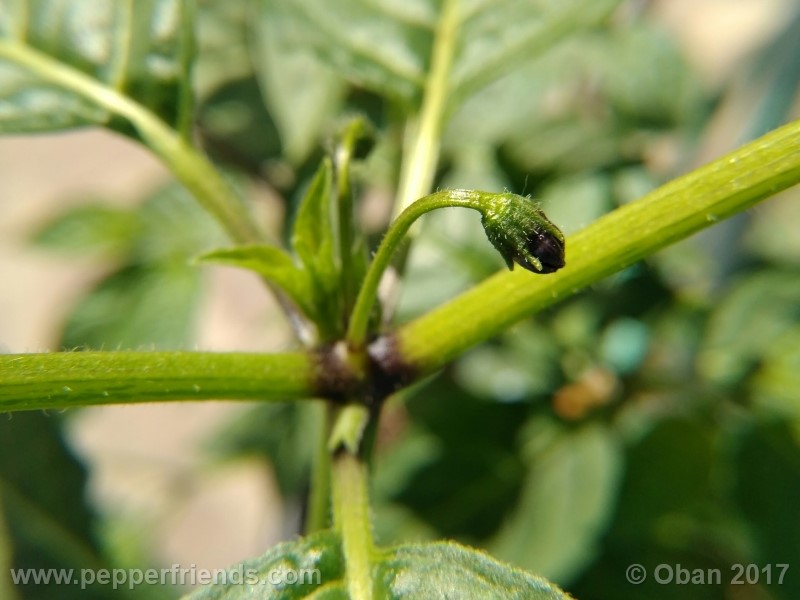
653, 419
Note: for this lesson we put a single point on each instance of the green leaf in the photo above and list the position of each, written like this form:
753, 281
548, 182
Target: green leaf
669, 473
137, 308
275, 265
459, 475
776, 384
223, 52
173, 228
386, 46
380, 46
149, 300
567, 501
301, 91
135, 50
320, 554
770, 234
497, 37
524, 366
766, 489
424, 571
312, 236
313, 244
238, 130
748, 322
42, 491
90, 229
543, 116
413, 572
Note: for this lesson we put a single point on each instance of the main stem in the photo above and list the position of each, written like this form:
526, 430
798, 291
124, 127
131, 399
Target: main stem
359, 320
69, 379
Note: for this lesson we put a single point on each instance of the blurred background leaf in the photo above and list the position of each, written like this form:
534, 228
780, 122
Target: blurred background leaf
142, 51
148, 300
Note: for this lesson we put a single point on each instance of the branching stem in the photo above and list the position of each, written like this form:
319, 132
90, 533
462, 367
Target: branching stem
359, 320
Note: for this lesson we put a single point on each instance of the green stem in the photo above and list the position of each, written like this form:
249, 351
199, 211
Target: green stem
189, 166
318, 513
672, 212
359, 320
419, 164
351, 517
70, 379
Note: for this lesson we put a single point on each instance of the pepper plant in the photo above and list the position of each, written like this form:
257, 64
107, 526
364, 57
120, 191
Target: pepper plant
150, 71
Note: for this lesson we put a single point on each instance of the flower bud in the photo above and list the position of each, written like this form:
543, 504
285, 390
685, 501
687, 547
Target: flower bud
522, 234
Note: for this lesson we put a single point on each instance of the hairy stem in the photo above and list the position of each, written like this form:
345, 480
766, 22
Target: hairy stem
70, 379
672, 212
318, 512
351, 517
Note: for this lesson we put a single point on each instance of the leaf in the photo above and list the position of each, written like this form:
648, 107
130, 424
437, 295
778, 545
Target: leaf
223, 53
135, 50
584, 103
776, 384
669, 472
313, 244
567, 501
174, 229
138, 307
236, 128
412, 572
90, 229
312, 236
386, 46
380, 46
460, 475
497, 37
748, 322
766, 490
525, 366
149, 299
275, 265
770, 234
424, 571
42, 490
318, 555
301, 91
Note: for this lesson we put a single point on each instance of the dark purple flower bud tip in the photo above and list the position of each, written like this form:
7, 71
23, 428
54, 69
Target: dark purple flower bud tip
522, 234
549, 249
